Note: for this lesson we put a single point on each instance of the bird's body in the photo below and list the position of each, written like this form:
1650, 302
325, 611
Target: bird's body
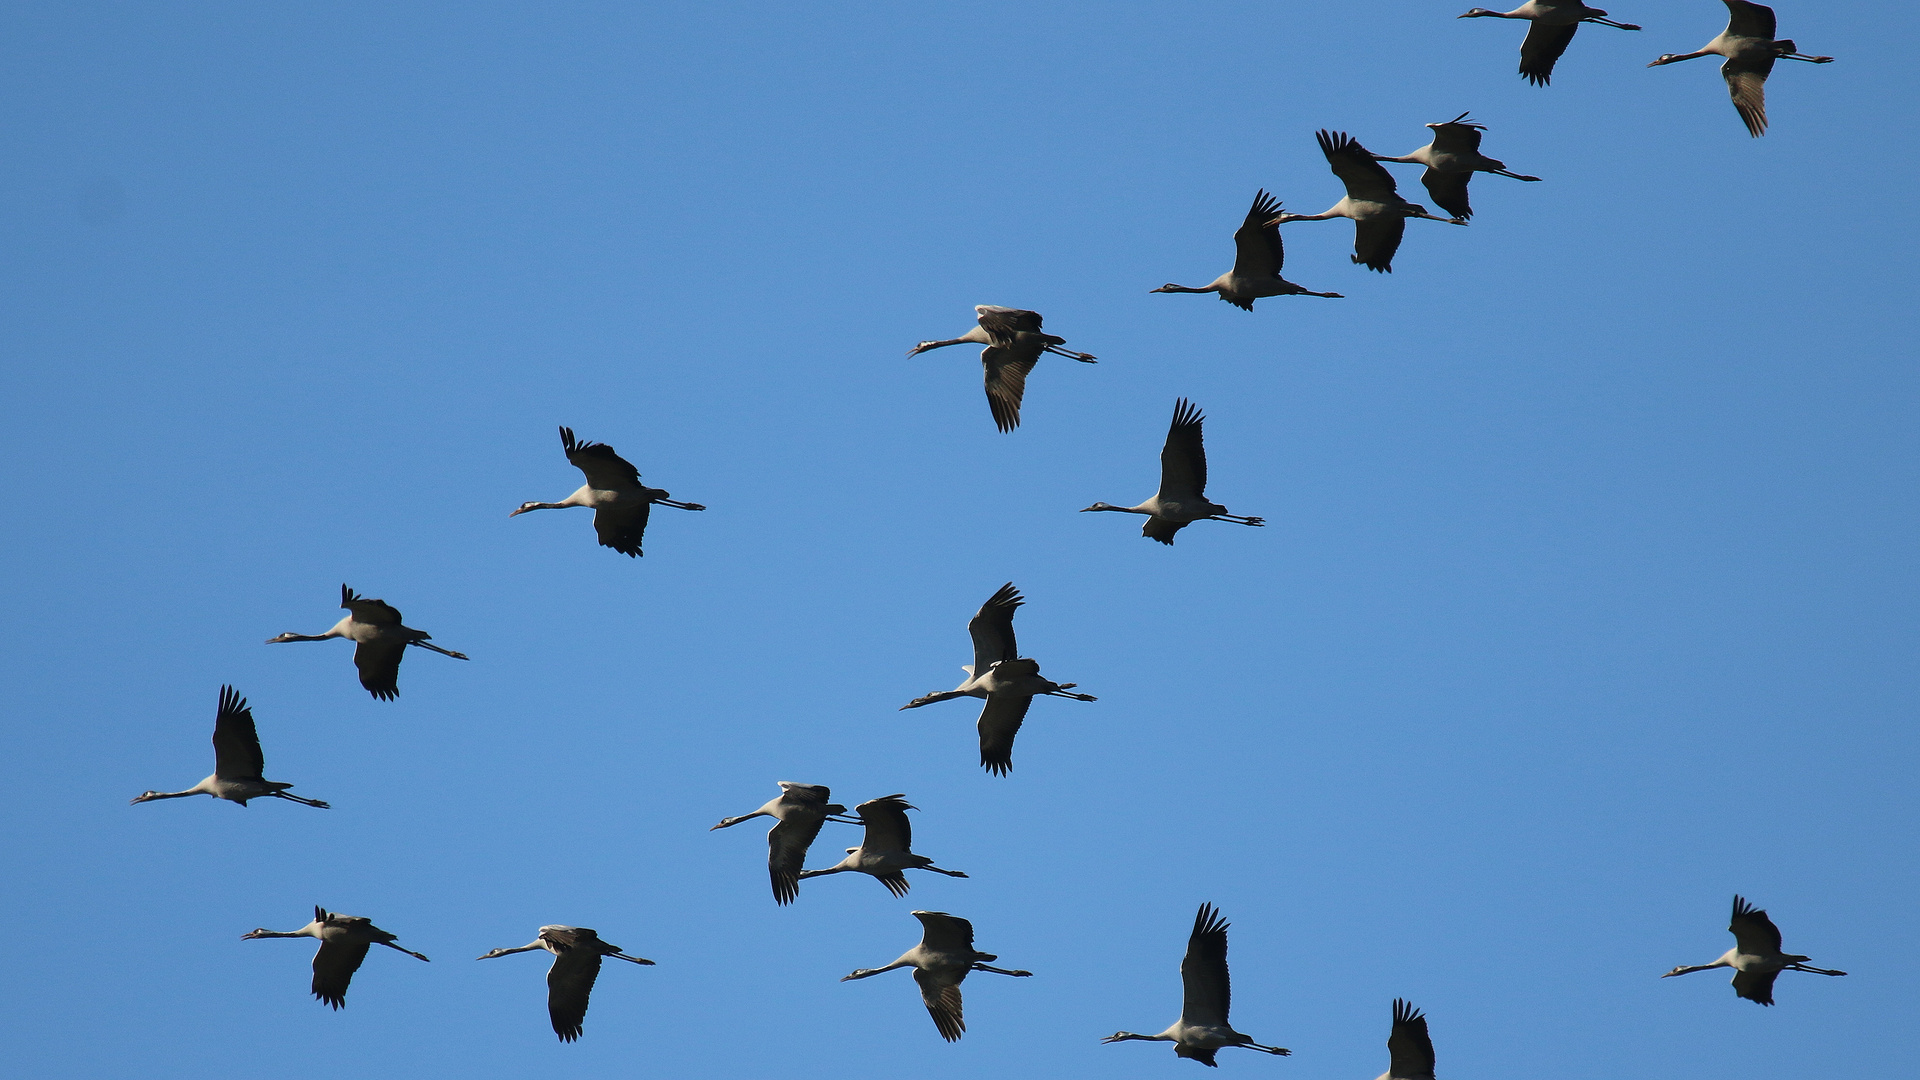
344, 941
1756, 958
1372, 202
1550, 29
1258, 255
1202, 1029
380, 641
237, 759
577, 954
620, 502
798, 814
1006, 680
886, 851
1409, 1047
1014, 344
940, 963
1182, 498
1750, 50
1451, 160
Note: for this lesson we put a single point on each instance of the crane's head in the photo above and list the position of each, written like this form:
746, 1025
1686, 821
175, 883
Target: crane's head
1478, 13
1102, 505
1667, 58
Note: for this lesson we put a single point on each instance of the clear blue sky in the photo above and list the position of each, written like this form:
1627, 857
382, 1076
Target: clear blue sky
1587, 597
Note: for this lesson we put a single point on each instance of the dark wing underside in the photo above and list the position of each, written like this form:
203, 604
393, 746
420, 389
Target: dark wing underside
603, 468
1002, 323
1750, 20
569, 983
236, 745
1193, 1053
1747, 85
1449, 192
1257, 250
1410, 1047
992, 629
1000, 721
1541, 50
1157, 528
886, 824
379, 664
621, 528
1203, 971
1376, 239
1752, 930
1755, 985
1183, 459
943, 1004
369, 610
333, 968
787, 844
1006, 377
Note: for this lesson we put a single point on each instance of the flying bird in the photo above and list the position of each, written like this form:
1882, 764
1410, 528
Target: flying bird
798, 814
1451, 160
1755, 958
1182, 498
1257, 257
887, 848
237, 761
940, 963
620, 501
1409, 1048
1202, 1029
379, 642
344, 941
1372, 202
1749, 48
577, 952
1008, 681
1551, 24
1014, 343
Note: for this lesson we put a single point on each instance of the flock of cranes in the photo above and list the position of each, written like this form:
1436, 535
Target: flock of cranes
1006, 681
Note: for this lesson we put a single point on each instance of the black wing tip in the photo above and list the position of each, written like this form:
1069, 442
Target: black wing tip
951, 1027
347, 595
231, 701
1405, 1013
384, 693
335, 1001
1209, 920
997, 768
1741, 906
1538, 78
786, 888
1007, 596
1264, 203
1186, 412
568, 1034
567, 441
898, 886
1339, 142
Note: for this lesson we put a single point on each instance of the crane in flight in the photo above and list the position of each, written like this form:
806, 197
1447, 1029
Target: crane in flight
380, 642
344, 941
577, 953
1755, 958
237, 761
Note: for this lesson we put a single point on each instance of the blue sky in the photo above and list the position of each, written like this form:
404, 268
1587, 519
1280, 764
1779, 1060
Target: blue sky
1586, 599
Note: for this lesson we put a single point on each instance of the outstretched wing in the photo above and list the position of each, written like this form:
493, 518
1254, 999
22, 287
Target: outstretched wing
1354, 164
1755, 986
569, 985
368, 610
1376, 239
379, 664
1183, 460
1752, 930
887, 827
941, 992
787, 844
333, 968
992, 629
1159, 528
1006, 374
1409, 1048
1000, 721
1002, 323
1457, 136
1449, 192
1750, 20
1747, 85
1257, 251
1542, 48
945, 933
604, 469
1203, 972
236, 745
622, 528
